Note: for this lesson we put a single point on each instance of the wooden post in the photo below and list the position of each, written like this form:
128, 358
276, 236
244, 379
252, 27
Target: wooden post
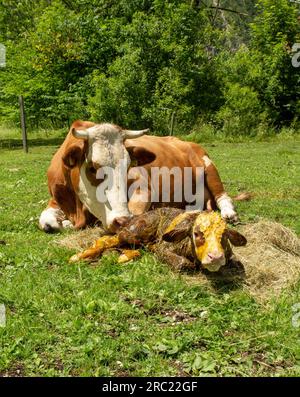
172, 123
23, 123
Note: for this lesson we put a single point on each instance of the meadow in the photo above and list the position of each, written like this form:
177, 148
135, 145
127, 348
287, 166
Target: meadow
140, 319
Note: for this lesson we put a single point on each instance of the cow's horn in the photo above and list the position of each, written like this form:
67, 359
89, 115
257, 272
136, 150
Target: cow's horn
80, 134
130, 134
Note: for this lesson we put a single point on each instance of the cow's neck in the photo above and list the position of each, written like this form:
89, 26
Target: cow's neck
87, 194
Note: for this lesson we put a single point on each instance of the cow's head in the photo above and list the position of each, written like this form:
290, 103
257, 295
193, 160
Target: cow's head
210, 236
95, 149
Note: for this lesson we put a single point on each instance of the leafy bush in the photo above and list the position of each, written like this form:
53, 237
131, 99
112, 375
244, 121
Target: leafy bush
241, 114
145, 63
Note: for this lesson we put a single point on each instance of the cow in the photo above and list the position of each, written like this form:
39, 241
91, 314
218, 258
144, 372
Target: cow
73, 176
181, 239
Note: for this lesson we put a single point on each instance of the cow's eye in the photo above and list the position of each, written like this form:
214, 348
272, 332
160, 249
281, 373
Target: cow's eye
199, 238
93, 170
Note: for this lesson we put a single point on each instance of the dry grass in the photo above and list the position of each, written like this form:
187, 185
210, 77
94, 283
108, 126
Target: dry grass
81, 240
268, 263
271, 258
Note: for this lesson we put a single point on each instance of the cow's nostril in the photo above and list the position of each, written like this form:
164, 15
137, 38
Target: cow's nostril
118, 223
122, 220
214, 257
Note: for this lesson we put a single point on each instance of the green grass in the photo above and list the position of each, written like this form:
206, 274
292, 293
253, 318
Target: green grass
140, 318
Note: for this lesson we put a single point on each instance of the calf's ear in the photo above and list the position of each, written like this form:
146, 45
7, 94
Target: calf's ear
176, 234
235, 237
181, 230
73, 154
140, 155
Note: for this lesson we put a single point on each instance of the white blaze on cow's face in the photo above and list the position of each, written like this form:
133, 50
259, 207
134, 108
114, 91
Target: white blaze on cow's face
106, 151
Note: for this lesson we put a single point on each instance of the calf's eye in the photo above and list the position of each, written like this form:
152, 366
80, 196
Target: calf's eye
199, 238
198, 234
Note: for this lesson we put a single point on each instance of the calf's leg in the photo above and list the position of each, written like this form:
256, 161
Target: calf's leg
176, 262
102, 244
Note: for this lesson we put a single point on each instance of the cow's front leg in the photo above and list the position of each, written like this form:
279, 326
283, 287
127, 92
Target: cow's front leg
139, 204
139, 192
215, 186
225, 204
53, 219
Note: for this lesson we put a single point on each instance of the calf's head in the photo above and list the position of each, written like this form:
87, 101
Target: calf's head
210, 237
101, 147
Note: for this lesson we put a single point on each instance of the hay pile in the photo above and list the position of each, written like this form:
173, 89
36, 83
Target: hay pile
81, 240
269, 262
271, 258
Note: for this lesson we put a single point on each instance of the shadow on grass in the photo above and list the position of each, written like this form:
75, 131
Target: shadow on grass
230, 278
17, 143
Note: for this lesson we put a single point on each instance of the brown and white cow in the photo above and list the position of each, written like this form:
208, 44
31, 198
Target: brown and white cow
73, 176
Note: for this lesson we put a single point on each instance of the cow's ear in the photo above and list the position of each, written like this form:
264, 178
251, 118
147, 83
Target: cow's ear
235, 237
73, 154
140, 155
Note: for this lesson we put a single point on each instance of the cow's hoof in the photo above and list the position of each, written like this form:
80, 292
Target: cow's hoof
49, 229
50, 220
67, 224
230, 216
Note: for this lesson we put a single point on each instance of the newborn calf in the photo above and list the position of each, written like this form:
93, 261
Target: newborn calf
181, 239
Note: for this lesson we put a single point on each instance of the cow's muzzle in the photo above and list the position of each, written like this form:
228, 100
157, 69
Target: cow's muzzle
118, 223
213, 262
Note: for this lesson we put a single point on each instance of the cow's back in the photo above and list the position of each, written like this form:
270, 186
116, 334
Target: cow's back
169, 151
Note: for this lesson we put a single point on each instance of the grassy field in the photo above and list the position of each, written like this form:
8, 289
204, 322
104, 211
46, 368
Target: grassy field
139, 319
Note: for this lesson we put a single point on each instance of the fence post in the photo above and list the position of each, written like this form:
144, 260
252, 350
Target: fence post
172, 123
23, 123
